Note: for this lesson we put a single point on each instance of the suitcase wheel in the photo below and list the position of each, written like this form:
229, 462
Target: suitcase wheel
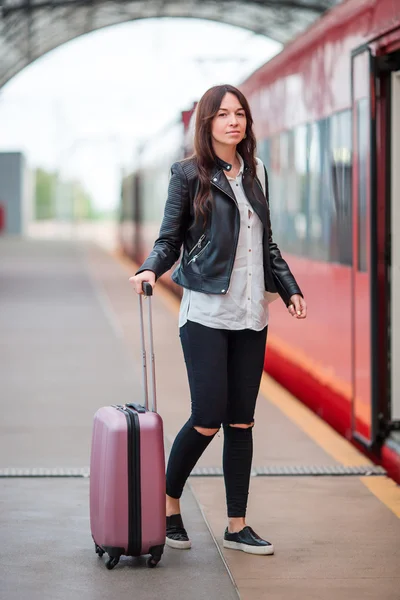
112, 562
152, 562
156, 553
99, 550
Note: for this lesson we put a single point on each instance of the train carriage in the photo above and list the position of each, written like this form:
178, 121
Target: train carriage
143, 191
327, 116
327, 119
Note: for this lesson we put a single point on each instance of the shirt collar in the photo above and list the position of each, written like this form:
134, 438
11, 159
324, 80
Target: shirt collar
241, 169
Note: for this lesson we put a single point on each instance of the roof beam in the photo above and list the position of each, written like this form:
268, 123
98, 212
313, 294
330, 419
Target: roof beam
30, 28
308, 5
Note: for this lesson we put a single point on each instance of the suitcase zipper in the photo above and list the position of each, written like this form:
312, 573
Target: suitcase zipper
134, 478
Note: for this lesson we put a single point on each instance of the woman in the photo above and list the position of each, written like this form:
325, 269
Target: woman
217, 210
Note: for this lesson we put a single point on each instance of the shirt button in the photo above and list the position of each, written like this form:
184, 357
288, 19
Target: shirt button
250, 250
215, 179
222, 291
248, 226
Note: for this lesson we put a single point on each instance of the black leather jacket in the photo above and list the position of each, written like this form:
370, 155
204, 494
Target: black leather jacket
209, 252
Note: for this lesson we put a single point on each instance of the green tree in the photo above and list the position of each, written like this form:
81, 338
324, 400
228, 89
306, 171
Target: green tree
56, 198
81, 202
45, 189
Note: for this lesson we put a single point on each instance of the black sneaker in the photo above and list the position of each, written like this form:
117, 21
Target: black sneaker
176, 536
248, 541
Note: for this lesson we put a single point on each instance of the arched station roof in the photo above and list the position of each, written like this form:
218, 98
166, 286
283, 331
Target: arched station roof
30, 28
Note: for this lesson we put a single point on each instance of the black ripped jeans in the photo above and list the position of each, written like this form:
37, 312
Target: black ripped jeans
224, 370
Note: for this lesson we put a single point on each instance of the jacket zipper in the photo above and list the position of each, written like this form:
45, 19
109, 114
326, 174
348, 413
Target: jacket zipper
196, 256
198, 245
224, 192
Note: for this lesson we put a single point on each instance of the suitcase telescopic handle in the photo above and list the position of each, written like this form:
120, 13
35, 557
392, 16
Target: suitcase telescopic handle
148, 292
147, 288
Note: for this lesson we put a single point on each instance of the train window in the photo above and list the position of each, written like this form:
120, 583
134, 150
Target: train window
318, 217
287, 234
276, 188
309, 171
284, 148
301, 176
263, 152
363, 154
341, 196
127, 198
297, 192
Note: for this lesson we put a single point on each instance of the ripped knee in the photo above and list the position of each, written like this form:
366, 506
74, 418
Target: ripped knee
206, 430
242, 425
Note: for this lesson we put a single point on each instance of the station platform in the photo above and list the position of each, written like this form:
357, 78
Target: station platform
69, 344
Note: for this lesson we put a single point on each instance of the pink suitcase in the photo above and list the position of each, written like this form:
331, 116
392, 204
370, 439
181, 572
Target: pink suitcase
127, 474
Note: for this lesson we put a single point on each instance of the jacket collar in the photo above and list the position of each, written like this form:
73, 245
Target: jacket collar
218, 176
222, 164
219, 180
225, 166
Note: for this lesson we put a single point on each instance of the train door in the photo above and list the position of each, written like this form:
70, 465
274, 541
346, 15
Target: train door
364, 367
394, 273
376, 246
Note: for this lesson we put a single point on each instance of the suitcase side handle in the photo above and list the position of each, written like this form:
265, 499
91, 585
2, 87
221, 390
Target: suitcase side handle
148, 292
138, 407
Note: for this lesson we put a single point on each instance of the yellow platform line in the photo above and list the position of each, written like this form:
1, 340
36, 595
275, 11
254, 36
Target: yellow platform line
385, 489
322, 433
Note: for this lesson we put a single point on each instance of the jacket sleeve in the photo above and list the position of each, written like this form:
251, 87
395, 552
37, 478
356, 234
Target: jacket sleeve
166, 249
285, 282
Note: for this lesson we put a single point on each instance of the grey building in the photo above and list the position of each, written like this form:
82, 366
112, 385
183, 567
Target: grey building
15, 193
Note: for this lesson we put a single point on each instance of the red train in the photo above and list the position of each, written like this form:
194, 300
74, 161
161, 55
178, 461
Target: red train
327, 119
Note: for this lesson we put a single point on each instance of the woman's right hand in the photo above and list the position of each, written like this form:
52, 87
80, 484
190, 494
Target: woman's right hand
137, 280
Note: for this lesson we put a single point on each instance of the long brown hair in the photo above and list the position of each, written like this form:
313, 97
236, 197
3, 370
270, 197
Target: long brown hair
206, 110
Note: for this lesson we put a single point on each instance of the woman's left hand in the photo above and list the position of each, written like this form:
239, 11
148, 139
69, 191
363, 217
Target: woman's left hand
298, 307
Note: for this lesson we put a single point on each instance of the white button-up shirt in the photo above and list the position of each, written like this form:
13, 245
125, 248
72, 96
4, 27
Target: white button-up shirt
245, 305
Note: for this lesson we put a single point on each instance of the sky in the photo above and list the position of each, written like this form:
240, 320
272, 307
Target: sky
85, 107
